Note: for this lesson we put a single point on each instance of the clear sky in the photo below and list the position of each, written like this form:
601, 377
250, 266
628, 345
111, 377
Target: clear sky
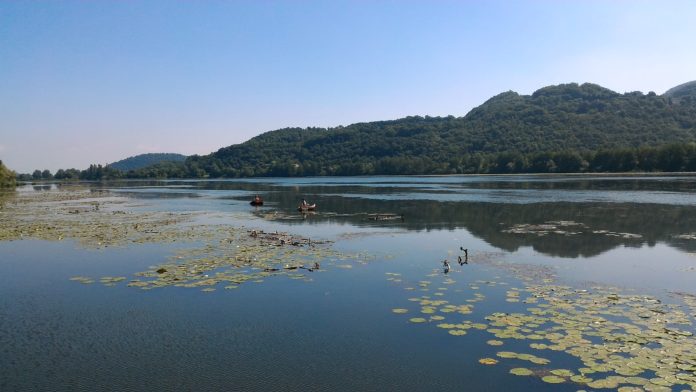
94, 82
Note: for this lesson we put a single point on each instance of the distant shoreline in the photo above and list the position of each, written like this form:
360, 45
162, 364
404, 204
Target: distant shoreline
592, 174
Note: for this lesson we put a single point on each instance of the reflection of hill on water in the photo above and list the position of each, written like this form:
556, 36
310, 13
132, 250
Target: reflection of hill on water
488, 221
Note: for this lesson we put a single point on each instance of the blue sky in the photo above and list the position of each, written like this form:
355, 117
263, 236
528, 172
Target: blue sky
95, 82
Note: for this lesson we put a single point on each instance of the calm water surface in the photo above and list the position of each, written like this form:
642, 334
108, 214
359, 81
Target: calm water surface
337, 332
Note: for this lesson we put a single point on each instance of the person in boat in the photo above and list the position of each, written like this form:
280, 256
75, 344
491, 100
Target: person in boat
257, 200
304, 205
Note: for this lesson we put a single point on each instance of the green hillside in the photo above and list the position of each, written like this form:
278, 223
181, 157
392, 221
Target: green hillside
558, 129
504, 134
686, 90
144, 160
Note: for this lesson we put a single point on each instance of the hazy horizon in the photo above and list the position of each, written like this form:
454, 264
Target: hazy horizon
84, 83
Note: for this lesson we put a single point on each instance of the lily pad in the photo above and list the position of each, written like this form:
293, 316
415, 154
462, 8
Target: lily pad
562, 372
521, 372
580, 379
553, 379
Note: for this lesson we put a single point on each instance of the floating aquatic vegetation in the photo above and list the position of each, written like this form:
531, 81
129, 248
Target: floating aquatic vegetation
619, 340
388, 216
112, 279
553, 379
217, 252
689, 236
551, 227
495, 342
580, 379
427, 310
82, 279
417, 320
394, 277
521, 372
400, 310
565, 228
616, 234
631, 389
95, 219
488, 361
562, 372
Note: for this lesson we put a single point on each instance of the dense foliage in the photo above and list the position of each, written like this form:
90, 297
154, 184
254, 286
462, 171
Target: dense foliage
94, 172
557, 129
686, 90
667, 158
564, 128
7, 177
144, 160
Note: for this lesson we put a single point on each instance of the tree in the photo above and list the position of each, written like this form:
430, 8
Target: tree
7, 177
570, 162
24, 177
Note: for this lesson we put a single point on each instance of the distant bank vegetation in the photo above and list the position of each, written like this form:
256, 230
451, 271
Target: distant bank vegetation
667, 158
145, 160
568, 128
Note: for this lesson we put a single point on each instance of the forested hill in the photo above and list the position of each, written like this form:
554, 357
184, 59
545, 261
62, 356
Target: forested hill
144, 160
504, 134
585, 117
683, 90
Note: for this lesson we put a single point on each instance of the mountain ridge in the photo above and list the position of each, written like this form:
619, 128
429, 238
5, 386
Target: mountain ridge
140, 161
565, 117
561, 128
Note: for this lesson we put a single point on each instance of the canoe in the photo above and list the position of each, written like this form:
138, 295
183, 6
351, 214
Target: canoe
256, 203
310, 207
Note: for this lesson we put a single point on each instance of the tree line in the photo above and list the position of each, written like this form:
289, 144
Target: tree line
679, 157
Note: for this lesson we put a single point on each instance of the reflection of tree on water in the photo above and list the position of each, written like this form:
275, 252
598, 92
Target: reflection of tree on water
341, 203
653, 222
675, 184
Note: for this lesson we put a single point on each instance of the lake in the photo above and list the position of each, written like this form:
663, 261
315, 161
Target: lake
568, 282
